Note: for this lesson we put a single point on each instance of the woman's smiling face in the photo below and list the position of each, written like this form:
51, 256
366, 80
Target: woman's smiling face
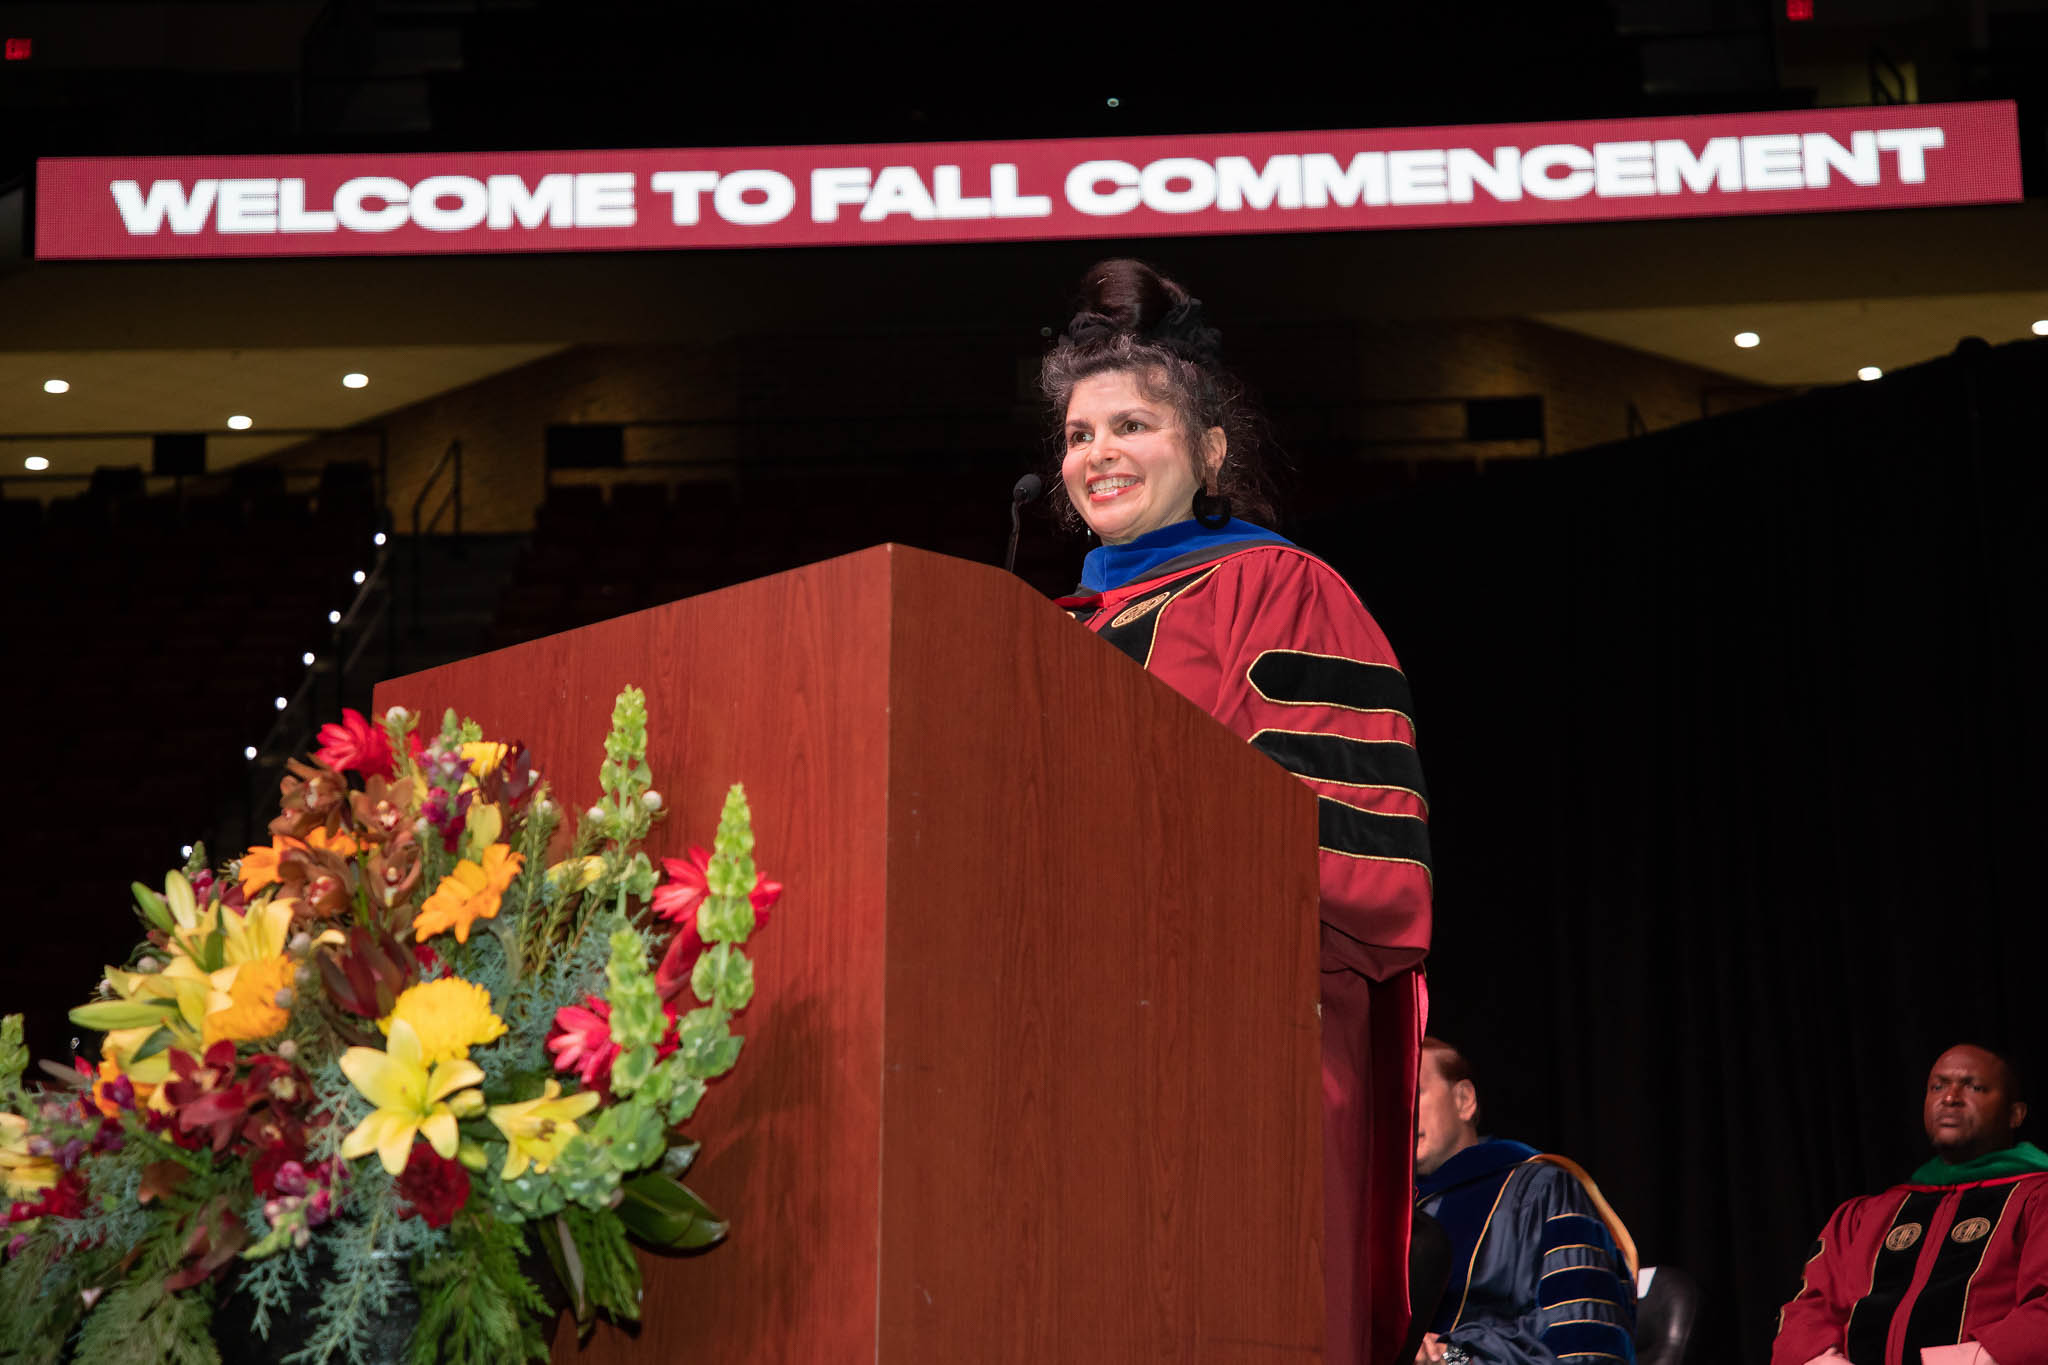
1127, 466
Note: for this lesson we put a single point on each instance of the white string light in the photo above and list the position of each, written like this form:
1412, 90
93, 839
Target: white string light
360, 575
333, 618
1747, 339
1869, 372
307, 658
282, 703
377, 539
249, 752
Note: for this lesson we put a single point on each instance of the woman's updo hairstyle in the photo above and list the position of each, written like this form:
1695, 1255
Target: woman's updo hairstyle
1132, 319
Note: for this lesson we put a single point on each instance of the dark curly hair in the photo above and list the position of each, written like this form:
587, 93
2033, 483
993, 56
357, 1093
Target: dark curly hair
1131, 319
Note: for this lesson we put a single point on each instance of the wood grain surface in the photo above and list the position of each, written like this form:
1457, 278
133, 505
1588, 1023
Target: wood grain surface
1031, 1073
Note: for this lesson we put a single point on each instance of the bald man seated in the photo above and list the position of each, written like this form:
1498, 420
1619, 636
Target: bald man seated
1950, 1268
1542, 1272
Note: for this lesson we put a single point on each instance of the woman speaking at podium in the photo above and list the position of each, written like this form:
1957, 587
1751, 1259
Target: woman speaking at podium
1158, 461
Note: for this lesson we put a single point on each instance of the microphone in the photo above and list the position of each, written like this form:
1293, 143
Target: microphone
1026, 490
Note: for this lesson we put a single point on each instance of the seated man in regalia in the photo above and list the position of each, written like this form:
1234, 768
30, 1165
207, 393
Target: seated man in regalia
1950, 1268
1542, 1271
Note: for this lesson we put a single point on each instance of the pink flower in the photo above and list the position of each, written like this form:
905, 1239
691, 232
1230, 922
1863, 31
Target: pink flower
583, 1041
677, 900
356, 745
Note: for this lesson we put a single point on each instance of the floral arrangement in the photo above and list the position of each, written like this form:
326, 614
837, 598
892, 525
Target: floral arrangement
422, 1049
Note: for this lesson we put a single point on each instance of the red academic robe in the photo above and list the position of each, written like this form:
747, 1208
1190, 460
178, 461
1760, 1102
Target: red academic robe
1927, 1265
1272, 643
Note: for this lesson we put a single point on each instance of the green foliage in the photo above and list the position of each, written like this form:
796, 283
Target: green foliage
139, 1322
662, 1212
724, 977
476, 1305
610, 1275
13, 1056
39, 1302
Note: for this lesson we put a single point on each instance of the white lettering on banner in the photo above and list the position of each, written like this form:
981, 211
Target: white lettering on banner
1084, 187
946, 192
1002, 189
1323, 183
687, 187
1771, 162
1156, 181
605, 199
1416, 178
550, 200
1911, 144
472, 203
1623, 168
898, 190
246, 206
1180, 186
291, 210
837, 187
1718, 165
1858, 162
144, 216
1501, 177
351, 198
778, 197
1238, 186
1537, 163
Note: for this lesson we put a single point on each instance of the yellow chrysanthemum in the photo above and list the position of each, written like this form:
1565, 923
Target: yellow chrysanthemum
247, 1009
22, 1176
470, 893
451, 1016
537, 1131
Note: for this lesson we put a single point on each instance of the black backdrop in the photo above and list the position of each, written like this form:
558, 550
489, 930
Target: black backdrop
1735, 744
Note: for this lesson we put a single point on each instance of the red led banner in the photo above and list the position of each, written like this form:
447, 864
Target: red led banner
1802, 161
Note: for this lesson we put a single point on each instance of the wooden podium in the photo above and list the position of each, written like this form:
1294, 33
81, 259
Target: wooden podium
1032, 1074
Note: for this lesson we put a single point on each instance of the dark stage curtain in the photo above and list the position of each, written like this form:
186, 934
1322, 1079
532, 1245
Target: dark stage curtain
1734, 736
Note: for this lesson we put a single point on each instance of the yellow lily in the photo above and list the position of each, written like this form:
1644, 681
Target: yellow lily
22, 1175
411, 1099
537, 1131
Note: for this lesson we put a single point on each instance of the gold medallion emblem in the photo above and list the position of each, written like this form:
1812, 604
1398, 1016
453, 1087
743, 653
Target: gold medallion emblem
1970, 1230
1133, 612
1902, 1236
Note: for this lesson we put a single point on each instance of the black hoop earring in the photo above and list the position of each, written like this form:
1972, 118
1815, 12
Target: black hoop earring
1212, 510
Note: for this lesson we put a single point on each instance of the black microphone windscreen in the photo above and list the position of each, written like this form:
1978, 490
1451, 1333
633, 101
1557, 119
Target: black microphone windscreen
1027, 489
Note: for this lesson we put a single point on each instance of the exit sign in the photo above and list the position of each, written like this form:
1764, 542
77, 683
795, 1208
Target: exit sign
18, 49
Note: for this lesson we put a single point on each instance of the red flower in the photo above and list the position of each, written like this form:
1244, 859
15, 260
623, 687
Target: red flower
204, 1096
356, 745
434, 1187
678, 898
279, 1170
583, 1042
65, 1199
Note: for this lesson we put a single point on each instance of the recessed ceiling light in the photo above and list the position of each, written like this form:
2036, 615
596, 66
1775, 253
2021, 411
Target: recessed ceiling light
56, 386
2041, 328
1747, 339
240, 423
354, 381
1870, 372
36, 464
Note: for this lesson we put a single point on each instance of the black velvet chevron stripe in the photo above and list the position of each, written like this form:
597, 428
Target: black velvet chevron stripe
1937, 1318
1368, 834
1870, 1321
1353, 762
1290, 676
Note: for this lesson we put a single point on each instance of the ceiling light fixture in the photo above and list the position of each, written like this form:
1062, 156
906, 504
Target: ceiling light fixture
355, 380
36, 464
1747, 339
2041, 328
56, 386
1869, 372
240, 423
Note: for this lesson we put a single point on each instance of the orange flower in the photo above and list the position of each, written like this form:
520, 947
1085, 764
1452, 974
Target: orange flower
251, 1011
337, 843
470, 893
259, 865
